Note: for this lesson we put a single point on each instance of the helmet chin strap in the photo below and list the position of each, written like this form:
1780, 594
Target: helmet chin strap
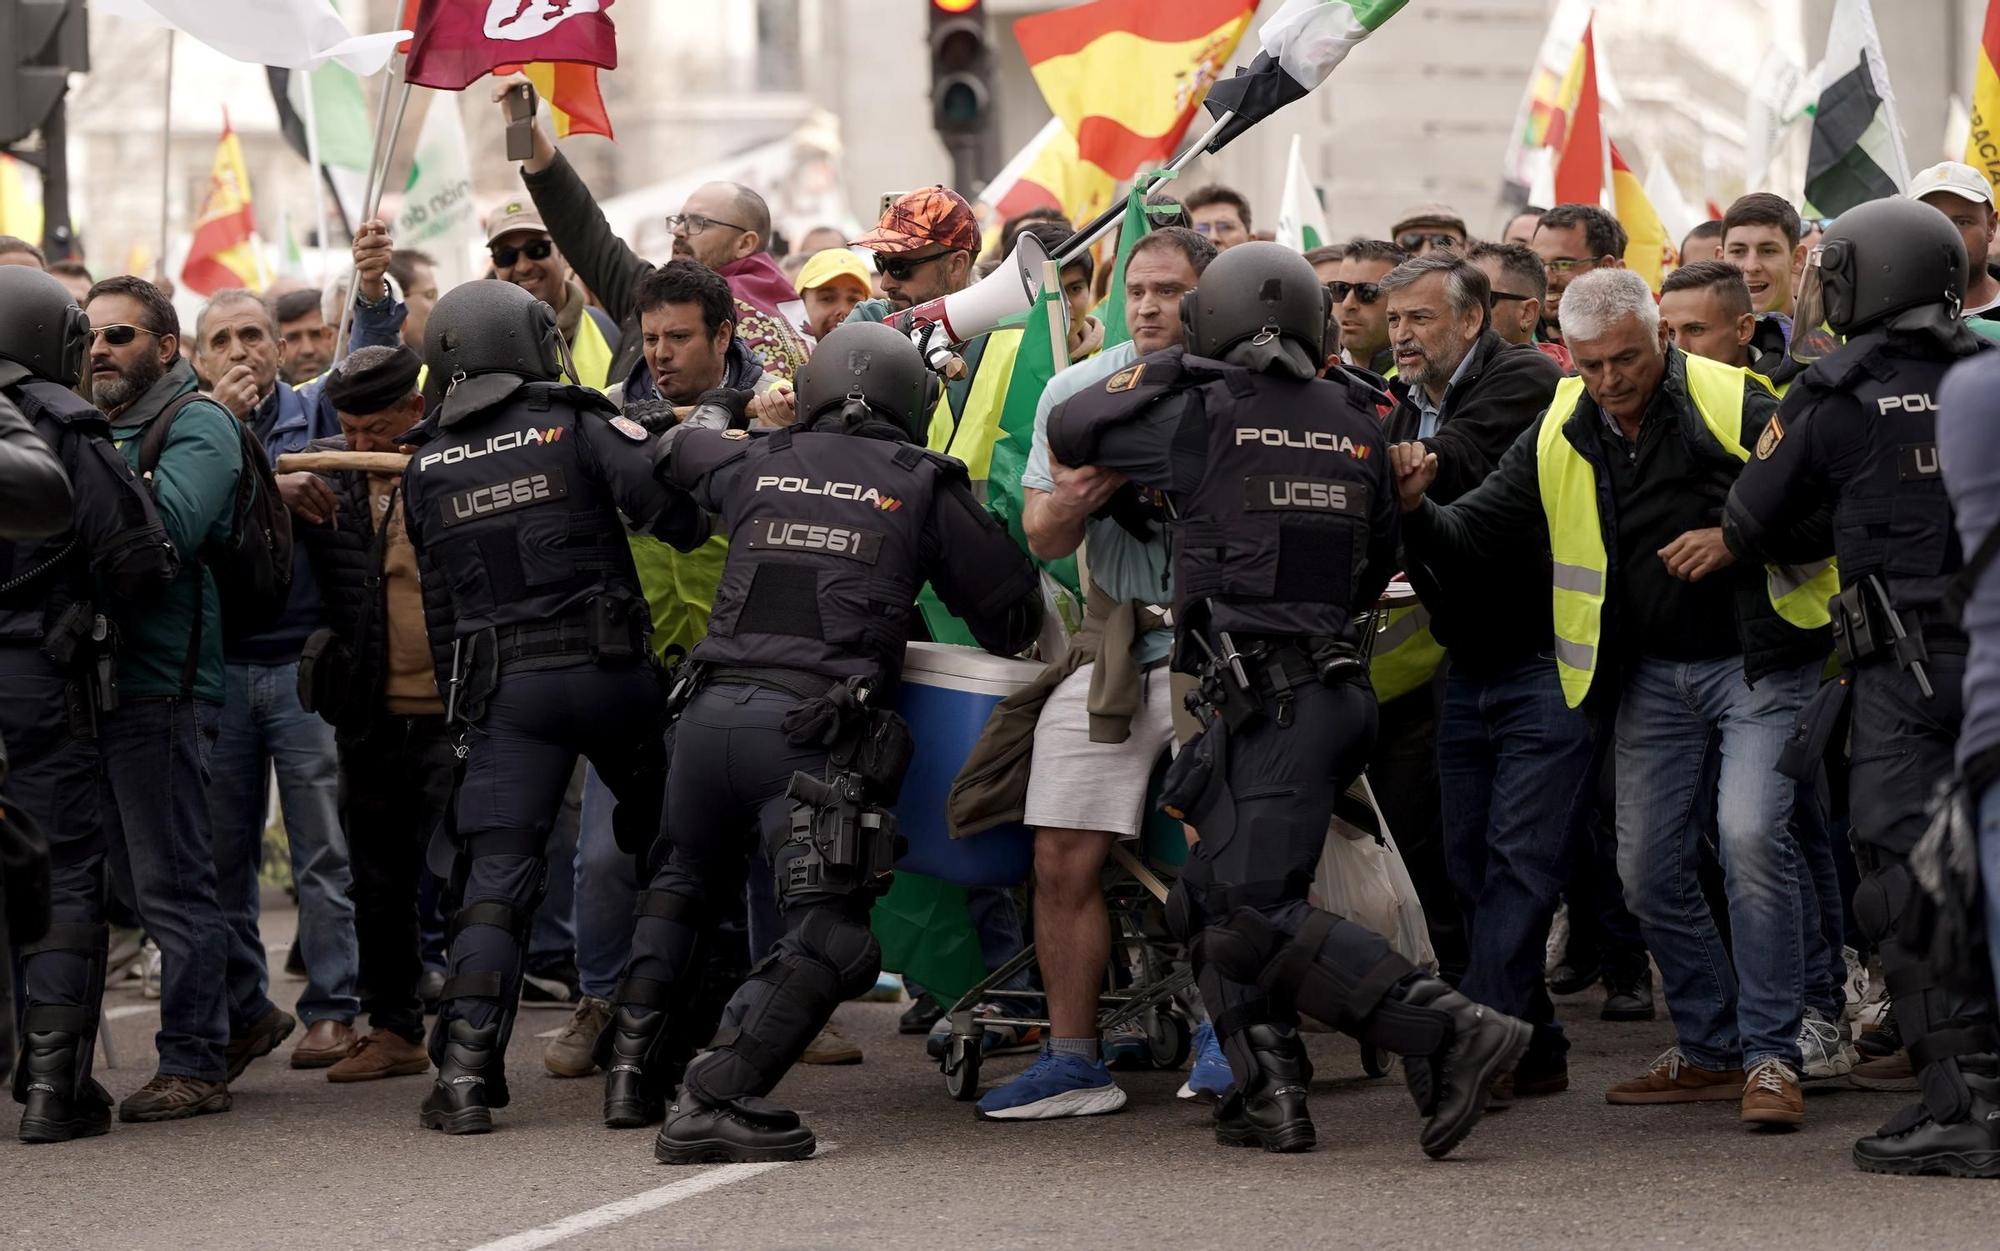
567, 361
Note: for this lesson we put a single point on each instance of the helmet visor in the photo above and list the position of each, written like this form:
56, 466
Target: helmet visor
1811, 339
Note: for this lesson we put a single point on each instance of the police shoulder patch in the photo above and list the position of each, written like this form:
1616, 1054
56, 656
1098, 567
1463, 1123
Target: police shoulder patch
1125, 379
1773, 435
735, 434
630, 429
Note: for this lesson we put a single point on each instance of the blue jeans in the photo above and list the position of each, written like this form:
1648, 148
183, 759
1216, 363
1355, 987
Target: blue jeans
1513, 761
1822, 919
263, 725
1989, 871
1670, 714
156, 753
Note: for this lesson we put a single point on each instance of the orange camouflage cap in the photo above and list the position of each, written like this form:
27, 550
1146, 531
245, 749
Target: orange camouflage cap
934, 216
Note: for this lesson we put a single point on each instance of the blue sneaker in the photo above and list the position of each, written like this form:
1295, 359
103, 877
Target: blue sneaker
1125, 1047
1209, 1075
1057, 1084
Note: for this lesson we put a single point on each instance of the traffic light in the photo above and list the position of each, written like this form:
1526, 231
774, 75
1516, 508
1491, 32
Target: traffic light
41, 42
961, 91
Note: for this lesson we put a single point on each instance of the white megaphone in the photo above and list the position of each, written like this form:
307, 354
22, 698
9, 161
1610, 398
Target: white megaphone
937, 326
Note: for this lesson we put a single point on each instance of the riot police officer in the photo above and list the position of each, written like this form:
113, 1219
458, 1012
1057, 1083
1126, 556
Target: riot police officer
1857, 434
56, 676
1284, 524
786, 734
512, 500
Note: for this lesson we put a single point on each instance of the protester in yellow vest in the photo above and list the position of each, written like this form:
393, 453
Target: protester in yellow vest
1624, 480
524, 255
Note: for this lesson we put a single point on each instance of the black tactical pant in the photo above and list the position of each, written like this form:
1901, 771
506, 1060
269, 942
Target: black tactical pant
1283, 782
1902, 748
521, 755
726, 795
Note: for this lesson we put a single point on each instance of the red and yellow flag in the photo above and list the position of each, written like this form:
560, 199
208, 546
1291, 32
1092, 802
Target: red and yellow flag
1646, 236
1126, 76
1982, 144
576, 106
1047, 173
1580, 160
223, 252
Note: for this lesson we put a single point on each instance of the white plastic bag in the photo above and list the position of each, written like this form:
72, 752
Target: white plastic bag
1365, 881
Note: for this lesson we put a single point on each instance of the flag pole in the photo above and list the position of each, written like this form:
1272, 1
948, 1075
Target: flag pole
1101, 225
319, 191
378, 178
166, 156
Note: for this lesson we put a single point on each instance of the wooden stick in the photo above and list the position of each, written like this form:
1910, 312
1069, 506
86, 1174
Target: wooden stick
343, 462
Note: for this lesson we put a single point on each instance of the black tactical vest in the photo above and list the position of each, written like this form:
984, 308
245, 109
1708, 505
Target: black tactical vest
1894, 518
514, 516
1275, 536
824, 550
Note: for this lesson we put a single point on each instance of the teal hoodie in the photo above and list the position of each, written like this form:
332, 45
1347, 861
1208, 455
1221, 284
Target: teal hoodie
194, 487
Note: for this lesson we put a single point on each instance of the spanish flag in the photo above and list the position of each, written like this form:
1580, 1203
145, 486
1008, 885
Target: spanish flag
223, 252
1646, 236
1126, 76
1982, 145
1047, 173
576, 106
1581, 158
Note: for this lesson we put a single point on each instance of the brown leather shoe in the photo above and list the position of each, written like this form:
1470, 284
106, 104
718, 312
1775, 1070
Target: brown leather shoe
383, 1053
171, 1097
261, 1039
1891, 1072
326, 1043
1672, 1079
1771, 1095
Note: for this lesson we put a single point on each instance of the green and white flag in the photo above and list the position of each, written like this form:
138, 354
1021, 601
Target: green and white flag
1857, 142
438, 214
1309, 38
1301, 217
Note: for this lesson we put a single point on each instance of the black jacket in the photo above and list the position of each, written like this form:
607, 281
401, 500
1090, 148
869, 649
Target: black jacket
601, 259
1505, 512
1478, 610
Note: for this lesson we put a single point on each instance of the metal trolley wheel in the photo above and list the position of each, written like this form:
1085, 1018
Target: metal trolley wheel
1168, 1037
1372, 1062
961, 1067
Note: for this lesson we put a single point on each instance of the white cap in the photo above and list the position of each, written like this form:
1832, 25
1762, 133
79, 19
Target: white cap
1954, 178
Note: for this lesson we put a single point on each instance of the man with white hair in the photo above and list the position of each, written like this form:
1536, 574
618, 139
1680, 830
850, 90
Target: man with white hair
1624, 480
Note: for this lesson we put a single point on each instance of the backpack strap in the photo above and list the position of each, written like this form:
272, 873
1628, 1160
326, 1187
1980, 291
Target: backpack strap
1966, 580
151, 446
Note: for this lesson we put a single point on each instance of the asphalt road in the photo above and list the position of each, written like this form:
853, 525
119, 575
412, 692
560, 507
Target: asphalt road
302, 1164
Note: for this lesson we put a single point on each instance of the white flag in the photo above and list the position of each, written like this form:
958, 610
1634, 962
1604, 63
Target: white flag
292, 34
1301, 220
438, 215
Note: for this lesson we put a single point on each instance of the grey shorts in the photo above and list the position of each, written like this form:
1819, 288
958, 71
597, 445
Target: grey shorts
1080, 785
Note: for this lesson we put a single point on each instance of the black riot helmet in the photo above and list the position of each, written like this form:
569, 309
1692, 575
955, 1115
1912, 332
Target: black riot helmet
865, 369
1887, 259
41, 328
490, 327
1263, 295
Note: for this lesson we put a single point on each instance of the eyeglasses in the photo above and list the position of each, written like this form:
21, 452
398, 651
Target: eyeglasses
693, 224
1366, 292
505, 254
1414, 240
1565, 264
904, 268
117, 336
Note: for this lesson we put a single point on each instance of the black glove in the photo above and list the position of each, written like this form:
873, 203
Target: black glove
734, 404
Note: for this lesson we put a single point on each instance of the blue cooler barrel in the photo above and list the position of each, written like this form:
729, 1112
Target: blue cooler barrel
947, 694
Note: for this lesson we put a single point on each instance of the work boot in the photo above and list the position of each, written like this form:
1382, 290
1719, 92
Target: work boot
1482, 1044
461, 1100
573, 1051
261, 1039
632, 1097
1627, 998
1885, 1040
743, 1130
1272, 1113
54, 1109
172, 1097
1915, 1144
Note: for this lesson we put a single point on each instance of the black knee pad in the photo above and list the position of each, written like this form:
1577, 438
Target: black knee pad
1880, 899
1241, 946
844, 945
1184, 919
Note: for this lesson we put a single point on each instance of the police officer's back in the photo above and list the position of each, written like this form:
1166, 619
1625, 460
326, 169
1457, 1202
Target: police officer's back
1855, 440
1284, 529
512, 500
56, 676
833, 527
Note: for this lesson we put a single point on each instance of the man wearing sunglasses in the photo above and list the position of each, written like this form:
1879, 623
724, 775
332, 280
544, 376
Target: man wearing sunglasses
1430, 228
525, 255
1358, 307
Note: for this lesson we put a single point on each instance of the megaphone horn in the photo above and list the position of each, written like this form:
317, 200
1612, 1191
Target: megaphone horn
965, 315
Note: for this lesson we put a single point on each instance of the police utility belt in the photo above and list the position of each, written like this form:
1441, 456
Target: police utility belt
1242, 683
609, 630
1868, 629
83, 644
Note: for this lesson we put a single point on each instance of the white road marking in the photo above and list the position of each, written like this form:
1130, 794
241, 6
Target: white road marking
130, 1009
645, 1201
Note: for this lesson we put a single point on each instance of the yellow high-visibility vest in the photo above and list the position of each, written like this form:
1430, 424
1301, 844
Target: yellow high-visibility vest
978, 427
1406, 656
591, 354
1576, 537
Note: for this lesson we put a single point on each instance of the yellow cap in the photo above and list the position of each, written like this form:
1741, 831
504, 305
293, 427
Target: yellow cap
834, 263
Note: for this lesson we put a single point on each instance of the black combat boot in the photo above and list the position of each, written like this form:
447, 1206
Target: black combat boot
1914, 1143
633, 1097
1478, 1046
470, 1082
743, 1130
60, 1101
1272, 1113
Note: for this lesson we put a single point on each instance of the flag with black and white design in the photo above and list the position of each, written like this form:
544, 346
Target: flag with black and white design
1857, 142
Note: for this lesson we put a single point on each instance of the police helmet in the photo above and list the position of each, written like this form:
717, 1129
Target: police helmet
41, 327
1881, 259
491, 327
1262, 293
865, 368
